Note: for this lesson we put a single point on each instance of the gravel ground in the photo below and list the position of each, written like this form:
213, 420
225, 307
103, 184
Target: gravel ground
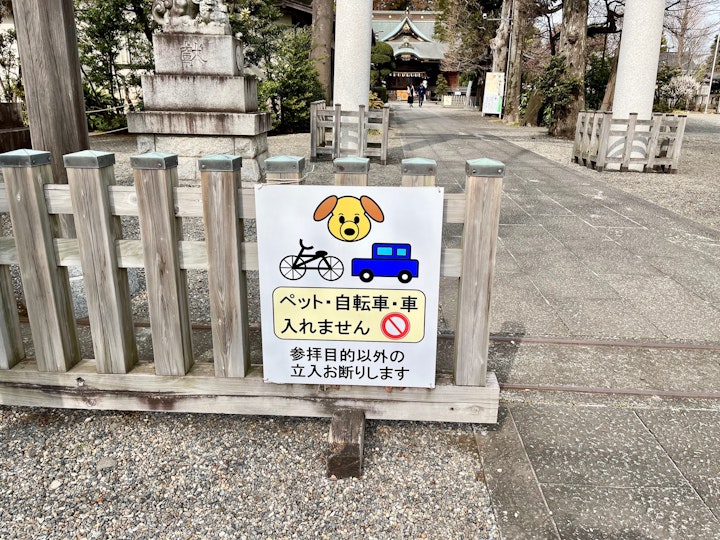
86, 474
93, 474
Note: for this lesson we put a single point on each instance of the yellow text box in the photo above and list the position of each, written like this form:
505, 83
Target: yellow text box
328, 314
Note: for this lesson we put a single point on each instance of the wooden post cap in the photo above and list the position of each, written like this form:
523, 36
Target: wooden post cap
154, 160
88, 159
351, 165
488, 168
419, 167
25, 158
285, 164
220, 163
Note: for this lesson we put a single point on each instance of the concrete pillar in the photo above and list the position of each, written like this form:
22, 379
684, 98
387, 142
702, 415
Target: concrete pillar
637, 68
639, 56
353, 40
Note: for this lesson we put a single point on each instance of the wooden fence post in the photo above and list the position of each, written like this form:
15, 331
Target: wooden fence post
483, 197
220, 181
362, 131
605, 128
351, 171
46, 285
418, 172
629, 141
284, 169
385, 134
336, 131
90, 174
155, 178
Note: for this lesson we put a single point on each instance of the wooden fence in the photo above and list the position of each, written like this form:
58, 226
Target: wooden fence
114, 379
329, 124
655, 144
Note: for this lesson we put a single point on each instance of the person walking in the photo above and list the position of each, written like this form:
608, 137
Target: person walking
421, 94
411, 94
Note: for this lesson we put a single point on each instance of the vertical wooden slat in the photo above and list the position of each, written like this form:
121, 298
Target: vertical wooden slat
46, 285
155, 177
314, 108
652, 149
220, 181
604, 141
90, 174
284, 169
385, 134
362, 131
11, 343
579, 132
336, 132
483, 195
591, 151
677, 144
629, 140
418, 172
351, 171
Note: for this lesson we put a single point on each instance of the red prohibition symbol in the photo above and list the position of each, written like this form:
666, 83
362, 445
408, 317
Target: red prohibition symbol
395, 326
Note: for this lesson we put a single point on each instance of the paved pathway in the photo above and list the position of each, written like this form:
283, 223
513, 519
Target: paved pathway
595, 292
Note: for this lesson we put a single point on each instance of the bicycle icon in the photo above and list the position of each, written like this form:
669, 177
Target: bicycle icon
293, 267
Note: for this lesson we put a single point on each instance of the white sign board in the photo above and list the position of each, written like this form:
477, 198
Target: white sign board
494, 90
349, 284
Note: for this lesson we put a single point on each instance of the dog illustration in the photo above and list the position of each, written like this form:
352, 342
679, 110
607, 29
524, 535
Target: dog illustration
349, 216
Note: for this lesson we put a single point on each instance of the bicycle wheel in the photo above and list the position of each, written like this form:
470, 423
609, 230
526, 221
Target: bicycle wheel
289, 270
331, 268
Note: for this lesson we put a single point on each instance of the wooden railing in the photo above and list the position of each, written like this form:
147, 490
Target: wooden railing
329, 124
57, 376
647, 145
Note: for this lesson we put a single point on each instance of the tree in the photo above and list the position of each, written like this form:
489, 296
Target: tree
291, 83
573, 38
382, 63
256, 22
323, 37
10, 83
462, 25
107, 30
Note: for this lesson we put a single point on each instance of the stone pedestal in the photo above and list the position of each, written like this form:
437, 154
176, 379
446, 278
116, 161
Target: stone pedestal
199, 102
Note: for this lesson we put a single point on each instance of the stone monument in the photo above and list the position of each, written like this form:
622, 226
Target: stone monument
199, 101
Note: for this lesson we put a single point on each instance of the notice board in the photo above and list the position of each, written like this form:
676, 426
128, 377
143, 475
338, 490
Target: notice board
349, 284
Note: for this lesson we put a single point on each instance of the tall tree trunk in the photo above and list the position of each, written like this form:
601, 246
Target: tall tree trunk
499, 44
607, 101
573, 38
520, 21
322, 42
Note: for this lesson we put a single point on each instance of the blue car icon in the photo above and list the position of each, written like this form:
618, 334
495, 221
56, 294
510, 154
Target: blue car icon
388, 260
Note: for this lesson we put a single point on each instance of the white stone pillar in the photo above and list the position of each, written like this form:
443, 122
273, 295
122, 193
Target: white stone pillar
353, 40
637, 64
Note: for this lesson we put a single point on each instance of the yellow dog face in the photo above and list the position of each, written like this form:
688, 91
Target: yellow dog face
349, 216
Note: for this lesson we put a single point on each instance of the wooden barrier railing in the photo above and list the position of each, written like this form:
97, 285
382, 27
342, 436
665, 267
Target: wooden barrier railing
114, 379
655, 144
329, 124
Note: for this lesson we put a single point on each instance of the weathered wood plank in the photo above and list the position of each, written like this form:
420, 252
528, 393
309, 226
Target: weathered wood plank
160, 231
46, 285
106, 285
12, 349
483, 190
345, 444
226, 279
418, 172
200, 391
351, 171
